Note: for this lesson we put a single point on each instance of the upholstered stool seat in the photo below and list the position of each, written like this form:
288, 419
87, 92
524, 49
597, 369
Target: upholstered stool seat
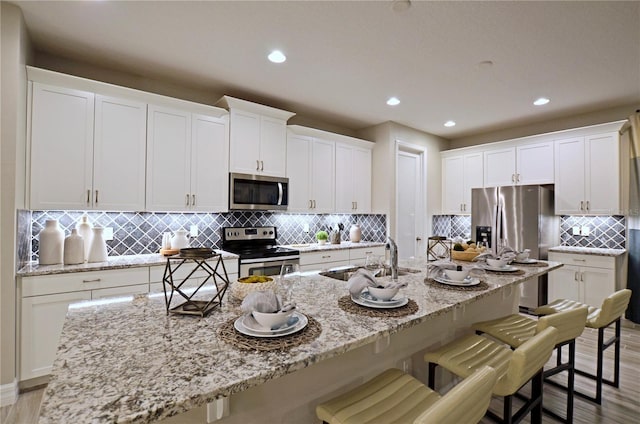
611, 311
514, 367
396, 397
515, 330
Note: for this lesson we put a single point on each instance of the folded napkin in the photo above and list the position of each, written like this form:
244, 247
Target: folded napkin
261, 301
360, 280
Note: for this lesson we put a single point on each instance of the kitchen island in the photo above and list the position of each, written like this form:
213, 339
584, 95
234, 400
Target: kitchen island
130, 362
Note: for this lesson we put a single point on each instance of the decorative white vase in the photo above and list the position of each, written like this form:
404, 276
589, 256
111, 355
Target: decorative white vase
85, 231
98, 251
51, 243
180, 239
73, 248
355, 234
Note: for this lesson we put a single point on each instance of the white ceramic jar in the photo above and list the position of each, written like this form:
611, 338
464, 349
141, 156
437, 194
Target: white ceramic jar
180, 239
51, 243
85, 231
355, 234
98, 251
73, 248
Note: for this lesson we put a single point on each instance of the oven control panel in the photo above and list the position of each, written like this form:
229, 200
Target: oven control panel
249, 233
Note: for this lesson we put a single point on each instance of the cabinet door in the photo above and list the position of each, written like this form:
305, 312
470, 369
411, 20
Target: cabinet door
597, 284
119, 154
322, 178
273, 139
299, 172
209, 165
452, 185
41, 323
362, 180
168, 159
244, 145
602, 174
569, 176
535, 164
564, 283
344, 179
472, 173
500, 167
61, 148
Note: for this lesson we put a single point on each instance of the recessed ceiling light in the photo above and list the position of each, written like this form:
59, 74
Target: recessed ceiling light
277, 56
450, 124
393, 101
541, 101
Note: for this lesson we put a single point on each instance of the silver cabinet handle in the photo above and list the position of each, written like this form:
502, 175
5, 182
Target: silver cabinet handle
257, 165
96, 197
579, 260
575, 276
262, 165
356, 205
95, 280
582, 205
588, 206
368, 253
418, 238
581, 276
193, 200
310, 203
326, 257
517, 178
186, 202
314, 203
88, 196
513, 178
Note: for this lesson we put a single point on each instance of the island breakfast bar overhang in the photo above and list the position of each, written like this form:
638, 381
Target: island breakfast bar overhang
130, 362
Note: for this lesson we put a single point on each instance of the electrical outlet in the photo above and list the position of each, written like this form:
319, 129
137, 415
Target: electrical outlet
193, 231
107, 233
576, 231
305, 228
585, 230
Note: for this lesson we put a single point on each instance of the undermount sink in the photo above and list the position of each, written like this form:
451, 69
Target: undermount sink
344, 274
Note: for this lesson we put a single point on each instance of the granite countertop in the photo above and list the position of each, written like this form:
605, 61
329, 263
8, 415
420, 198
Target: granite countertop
588, 250
129, 362
316, 247
113, 262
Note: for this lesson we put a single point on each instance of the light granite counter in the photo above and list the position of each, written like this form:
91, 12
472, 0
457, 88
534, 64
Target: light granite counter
316, 247
588, 250
113, 262
129, 362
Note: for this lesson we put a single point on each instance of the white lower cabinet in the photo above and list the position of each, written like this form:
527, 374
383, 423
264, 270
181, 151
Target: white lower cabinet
325, 259
44, 303
358, 256
584, 278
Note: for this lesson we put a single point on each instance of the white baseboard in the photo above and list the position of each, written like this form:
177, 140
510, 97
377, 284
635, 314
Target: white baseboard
8, 393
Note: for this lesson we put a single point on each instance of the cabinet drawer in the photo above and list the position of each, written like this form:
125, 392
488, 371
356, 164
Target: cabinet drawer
583, 260
120, 291
324, 257
362, 253
76, 281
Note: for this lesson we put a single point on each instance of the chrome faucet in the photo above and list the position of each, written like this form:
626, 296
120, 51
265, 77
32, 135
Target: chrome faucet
393, 253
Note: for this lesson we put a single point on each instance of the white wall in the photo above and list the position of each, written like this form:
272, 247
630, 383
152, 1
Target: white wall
15, 49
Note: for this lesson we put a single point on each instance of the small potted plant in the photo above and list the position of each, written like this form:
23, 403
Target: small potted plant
322, 237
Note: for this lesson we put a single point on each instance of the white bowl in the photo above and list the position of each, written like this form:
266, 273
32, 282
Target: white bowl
497, 263
382, 294
452, 274
273, 319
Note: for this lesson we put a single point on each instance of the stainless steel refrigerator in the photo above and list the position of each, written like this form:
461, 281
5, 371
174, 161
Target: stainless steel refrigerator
521, 217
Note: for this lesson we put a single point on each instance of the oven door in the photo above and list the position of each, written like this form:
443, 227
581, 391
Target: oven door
265, 267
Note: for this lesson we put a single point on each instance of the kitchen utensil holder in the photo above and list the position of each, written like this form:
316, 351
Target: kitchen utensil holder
216, 275
334, 236
438, 247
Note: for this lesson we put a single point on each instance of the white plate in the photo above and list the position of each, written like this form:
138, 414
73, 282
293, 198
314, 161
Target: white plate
302, 323
386, 305
470, 282
251, 324
525, 261
507, 268
369, 298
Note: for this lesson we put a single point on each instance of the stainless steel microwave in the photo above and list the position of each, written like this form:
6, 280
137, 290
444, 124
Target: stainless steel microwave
258, 192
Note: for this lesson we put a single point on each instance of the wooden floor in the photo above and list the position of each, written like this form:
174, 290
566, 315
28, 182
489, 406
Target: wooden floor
618, 406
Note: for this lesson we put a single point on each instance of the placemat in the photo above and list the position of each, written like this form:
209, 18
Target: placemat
482, 286
346, 304
518, 272
228, 334
537, 263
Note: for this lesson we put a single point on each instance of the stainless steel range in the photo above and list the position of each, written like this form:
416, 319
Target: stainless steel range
258, 250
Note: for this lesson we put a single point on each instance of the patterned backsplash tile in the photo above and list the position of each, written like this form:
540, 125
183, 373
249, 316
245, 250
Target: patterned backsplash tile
141, 232
604, 231
452, 226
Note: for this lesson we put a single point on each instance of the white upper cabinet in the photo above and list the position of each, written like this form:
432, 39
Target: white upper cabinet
311, 173
353, 179
258, 137
588, 175
521, 164
186, 165
460, 174
87, 150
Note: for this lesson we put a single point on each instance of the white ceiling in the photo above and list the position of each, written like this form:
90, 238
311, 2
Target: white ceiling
345, 58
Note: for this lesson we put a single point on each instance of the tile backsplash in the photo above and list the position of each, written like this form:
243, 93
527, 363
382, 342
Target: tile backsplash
141, 232
452, 226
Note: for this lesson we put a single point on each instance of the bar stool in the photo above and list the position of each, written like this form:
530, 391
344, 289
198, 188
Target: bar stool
599, 318
516, 329
394, 396
514, 367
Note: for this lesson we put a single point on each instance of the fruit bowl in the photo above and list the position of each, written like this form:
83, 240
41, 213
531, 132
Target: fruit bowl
463, 256
245, 285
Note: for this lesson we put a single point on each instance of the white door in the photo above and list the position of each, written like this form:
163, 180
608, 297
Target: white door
362, 180
564, 283
535, 164
209, 169
273, 146
500, 167
61, 148
244, 147
602, 162
569, 176
298, 172
452, 185
322, 176
344, 179
119, 152
473, 178
410, 192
